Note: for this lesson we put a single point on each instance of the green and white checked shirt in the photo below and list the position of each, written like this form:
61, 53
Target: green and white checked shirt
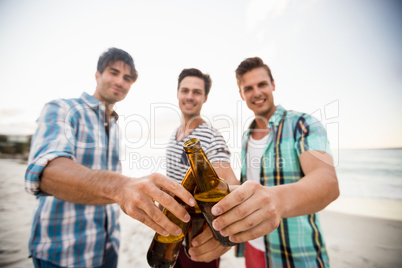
298, 241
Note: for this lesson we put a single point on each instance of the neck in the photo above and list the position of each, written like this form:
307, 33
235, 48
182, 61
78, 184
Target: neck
187, 125
262, 120
108, 106
108, 111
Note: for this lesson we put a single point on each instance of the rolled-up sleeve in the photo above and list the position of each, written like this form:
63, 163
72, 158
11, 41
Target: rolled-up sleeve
49, 142
310, 134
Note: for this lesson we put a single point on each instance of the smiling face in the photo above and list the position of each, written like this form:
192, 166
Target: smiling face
114, 83
256, 90
191, 96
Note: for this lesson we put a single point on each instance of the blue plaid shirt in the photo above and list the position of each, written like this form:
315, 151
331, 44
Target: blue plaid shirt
64, 233
298, 241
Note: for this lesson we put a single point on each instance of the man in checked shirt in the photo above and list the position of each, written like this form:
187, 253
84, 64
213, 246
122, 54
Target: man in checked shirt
287, 176
75, 172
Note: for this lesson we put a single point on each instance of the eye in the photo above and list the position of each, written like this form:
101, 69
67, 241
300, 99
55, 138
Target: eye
128, 79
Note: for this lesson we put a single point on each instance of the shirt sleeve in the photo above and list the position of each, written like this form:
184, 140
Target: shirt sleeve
310, 134
218, 151
49, 142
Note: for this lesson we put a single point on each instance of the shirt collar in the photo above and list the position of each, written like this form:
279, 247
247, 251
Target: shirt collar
94, 103
274, 120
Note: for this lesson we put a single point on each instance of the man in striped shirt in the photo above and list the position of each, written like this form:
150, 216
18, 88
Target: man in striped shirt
74, 170
192, 92
287, 177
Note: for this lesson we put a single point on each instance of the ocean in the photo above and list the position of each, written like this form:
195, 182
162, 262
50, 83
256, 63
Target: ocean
370, 173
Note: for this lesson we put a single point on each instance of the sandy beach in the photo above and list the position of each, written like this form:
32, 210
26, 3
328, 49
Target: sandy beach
370, 238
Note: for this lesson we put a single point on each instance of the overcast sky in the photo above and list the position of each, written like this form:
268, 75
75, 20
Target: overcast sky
340, 60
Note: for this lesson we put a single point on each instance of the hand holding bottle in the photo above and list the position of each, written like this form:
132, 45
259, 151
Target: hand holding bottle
137, 199
248, 212
205, 248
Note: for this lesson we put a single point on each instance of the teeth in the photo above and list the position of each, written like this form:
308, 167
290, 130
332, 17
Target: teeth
259, 101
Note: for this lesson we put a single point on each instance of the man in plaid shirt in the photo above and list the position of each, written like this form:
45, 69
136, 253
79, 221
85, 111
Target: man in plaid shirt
287, 176
75, 172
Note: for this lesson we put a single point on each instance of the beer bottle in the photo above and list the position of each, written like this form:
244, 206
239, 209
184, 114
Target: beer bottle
210, 188
196, 226
163, 251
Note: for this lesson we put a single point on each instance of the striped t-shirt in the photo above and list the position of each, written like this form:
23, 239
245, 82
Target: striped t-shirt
212, 142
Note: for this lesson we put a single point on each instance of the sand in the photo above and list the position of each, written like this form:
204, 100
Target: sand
352, 240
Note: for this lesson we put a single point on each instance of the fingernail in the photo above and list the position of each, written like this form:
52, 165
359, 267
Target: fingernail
187, 218
223, 232
231, 238
164, 233
215, 225
216, 211
192, 201
178, 232
190, 252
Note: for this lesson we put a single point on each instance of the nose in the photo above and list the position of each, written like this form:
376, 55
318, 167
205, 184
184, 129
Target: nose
189, 96
257, 92
119, 80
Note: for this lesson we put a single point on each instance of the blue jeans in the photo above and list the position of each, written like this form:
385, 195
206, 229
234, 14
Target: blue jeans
109, 261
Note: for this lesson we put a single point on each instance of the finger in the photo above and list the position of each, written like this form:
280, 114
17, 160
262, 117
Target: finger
141, 216
166, 201
233, 187
208, 246
159, 218
253, 233
210, 255
174, 188
238, 196
246, 223
236, 214
144, 202
203, 237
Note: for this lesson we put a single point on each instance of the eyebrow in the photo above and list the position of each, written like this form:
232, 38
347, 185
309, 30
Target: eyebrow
113, 69
118, 71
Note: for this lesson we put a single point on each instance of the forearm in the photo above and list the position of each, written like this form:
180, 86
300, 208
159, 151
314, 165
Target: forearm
70, 181
309, 195
225, 171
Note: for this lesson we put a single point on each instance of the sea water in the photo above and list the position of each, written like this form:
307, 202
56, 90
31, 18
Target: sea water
370, 173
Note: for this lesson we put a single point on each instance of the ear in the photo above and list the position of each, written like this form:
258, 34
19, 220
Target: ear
206, 98
241, 95
273, 85
97, 75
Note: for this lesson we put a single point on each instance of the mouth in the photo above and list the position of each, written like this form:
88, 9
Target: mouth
189, 104
259, 102
117, 90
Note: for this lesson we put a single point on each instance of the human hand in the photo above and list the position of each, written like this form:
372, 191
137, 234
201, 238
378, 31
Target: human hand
138, 196
249, 212
205, 248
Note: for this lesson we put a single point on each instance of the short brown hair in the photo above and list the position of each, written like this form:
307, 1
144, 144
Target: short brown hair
113, 55
197, 73
251, 64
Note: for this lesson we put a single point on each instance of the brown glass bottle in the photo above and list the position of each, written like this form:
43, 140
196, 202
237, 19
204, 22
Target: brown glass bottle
163, 251
196, 226
210, 188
